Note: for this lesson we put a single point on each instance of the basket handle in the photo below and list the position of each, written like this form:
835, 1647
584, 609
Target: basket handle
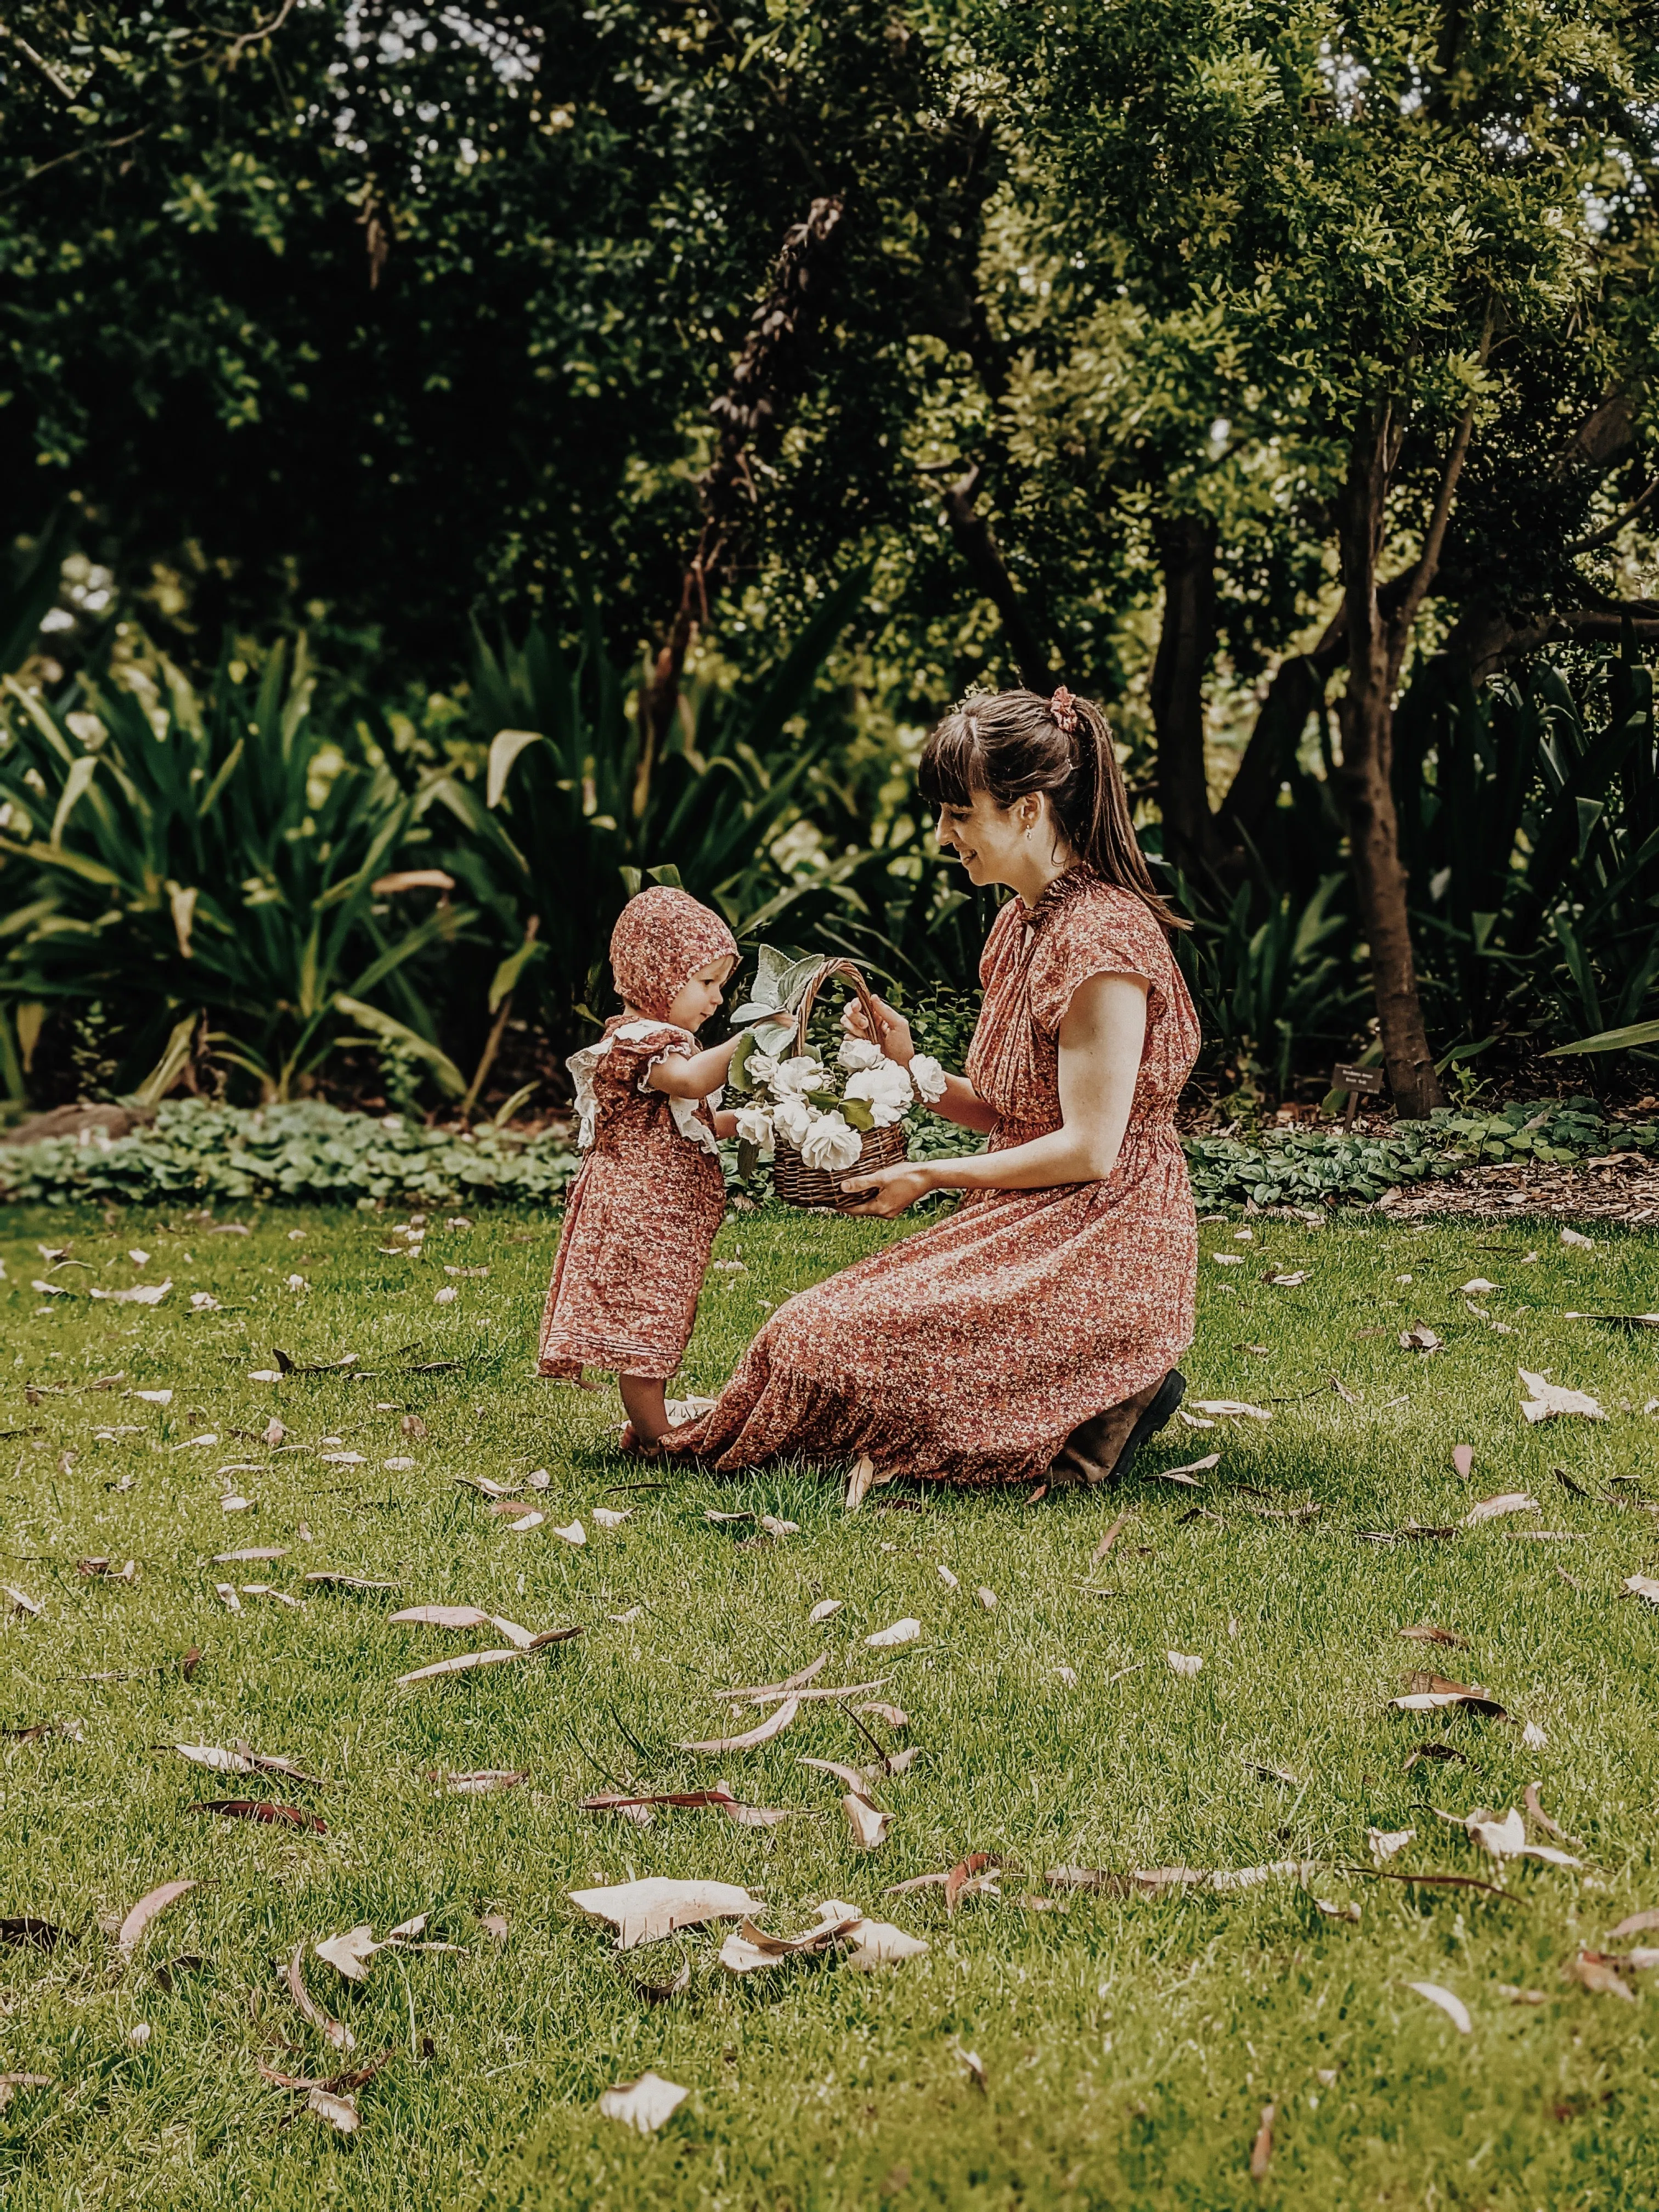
809, 998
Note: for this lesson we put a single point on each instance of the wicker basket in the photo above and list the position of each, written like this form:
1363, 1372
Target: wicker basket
815, 1188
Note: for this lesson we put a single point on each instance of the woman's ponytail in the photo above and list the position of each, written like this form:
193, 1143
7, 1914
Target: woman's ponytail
1011, 742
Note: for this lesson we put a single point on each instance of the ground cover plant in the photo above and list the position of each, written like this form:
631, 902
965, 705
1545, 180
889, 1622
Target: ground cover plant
1057, 2043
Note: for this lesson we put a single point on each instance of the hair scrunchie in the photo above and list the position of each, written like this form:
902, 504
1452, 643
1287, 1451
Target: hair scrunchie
1063, 707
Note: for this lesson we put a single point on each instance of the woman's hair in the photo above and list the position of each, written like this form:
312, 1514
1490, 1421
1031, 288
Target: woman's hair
1009, 743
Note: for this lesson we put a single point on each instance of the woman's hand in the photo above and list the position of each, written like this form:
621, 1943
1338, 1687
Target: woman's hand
895, 1189
892, 1031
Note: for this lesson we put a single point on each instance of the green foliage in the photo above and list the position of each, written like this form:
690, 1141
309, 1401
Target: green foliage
1269, 992
1529, 815
306, 1152
577, 808
166, 852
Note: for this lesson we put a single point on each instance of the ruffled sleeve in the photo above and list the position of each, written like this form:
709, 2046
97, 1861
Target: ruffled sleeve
649, 1042
1096, 930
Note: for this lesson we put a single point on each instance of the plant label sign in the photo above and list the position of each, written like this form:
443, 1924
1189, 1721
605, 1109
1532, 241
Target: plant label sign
1356, 1081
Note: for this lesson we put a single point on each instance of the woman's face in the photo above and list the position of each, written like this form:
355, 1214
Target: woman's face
990, 840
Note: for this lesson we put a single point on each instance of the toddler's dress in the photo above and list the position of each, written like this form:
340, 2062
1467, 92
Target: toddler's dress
641, 1217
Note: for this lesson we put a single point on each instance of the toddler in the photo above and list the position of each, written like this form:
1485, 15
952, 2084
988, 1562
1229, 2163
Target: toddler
640, 1217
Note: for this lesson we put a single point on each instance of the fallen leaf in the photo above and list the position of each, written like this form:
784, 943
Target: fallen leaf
132, 1928
1231, 1409
1262, 2150
1068, 1675
460, 1664
878, 1943
255, 1552
1333, 1910
1188, 1474
894, 1716
241, 1760
1475, 1286
861, 1480
645, 2104
948, 1579
1463, 1460
19, 1601
1493, 1509
1424, 1632
336, 2031
1183, 1662
1572, 1237
645, 1911
350, 1952
575, 1534
223, 1591
142, 1294
902, 1632
1453, 2007
1548, 1399
1432, 1693
988, 1598
348, 1582
249, 1808
773, 1726
1643, 1586
1596, 1975
495, 1924
1518, 1995
1419, 1337
824, 1609
975, 2066
608, 1516
1535, 1813
868, 1823
23, 1928
1387, 1841
752, 1949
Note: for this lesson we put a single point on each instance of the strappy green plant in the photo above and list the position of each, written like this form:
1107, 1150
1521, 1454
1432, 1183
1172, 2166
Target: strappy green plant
169, 855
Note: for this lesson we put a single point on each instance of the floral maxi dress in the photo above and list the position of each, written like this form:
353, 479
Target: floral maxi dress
970, 1351
641, 1217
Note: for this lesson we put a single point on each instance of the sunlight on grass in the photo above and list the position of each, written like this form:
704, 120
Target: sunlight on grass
1128, 2043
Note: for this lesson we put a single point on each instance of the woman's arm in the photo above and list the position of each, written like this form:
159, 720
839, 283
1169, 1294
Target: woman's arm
961, 1103
693, 1075
1101, 1042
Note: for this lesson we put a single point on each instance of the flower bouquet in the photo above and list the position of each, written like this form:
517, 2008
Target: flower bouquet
816, 1124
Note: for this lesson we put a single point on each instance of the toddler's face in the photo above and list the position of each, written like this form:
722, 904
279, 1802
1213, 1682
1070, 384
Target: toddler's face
696, 999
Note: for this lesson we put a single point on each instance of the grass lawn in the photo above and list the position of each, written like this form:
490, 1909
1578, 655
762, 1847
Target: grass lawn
1129, 2043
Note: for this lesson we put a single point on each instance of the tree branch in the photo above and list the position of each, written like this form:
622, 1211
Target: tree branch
1610, 530
978, 547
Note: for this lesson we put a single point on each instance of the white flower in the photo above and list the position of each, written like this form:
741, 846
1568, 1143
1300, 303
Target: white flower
755, 1128
858, 1054
760, 1067
792, 1118
928, 1076
803, 1073
831, 1144
886, 1089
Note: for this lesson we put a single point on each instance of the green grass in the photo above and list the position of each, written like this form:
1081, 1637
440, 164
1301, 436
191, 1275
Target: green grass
1128, 2045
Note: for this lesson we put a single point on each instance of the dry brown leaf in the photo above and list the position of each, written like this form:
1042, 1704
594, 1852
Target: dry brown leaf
19, 1601
1494, 1509
868, 1823
1454, 2007
495, 1924
1424, 1632
480, 1781
1637, 1924
902, 1632
878, 1943
662, 1992
824, 1608
336, 2031
1387, 1841
773, 1726
1644, 1587
975, 2066
349, 1581
460, 1664
1111, 1536
340, 2113
988, 1598
262, 1810
349, 1953
131, 1930
645, 2104
1432, 1693
645, 1911
1596, 1975
1548, 1399
752, 1949
864, 1477
1262, 2150
894, 1716
11, 2083
1419, 1337
1535, 1813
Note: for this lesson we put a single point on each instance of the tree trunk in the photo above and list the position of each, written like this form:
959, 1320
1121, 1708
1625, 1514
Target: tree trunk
983, 557
1186, 645
1365, 717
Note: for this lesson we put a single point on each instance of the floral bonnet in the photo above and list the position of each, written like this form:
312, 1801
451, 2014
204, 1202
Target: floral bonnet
661, 939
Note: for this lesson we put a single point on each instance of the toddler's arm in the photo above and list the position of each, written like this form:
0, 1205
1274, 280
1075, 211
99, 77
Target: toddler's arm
694, 1075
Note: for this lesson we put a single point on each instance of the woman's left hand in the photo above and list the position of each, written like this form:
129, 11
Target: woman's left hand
895, 1189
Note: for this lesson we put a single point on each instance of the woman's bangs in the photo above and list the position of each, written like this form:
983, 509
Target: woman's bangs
947, 774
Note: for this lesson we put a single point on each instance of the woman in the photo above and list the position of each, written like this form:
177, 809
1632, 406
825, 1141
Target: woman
1034, 1331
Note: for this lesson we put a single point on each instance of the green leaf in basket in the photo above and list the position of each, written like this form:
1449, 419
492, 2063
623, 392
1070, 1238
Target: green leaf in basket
748, 1158
857, 1113
827, 1101
737, 1074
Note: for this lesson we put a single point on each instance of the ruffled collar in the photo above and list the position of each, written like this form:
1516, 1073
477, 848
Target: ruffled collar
1059, 893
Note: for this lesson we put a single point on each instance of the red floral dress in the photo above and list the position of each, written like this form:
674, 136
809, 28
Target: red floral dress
970, 1351
640, 1219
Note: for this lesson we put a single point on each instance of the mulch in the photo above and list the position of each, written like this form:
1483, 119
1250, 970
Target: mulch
1618, 1187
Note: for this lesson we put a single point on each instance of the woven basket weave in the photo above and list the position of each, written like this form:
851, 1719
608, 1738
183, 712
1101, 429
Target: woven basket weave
797, 1184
